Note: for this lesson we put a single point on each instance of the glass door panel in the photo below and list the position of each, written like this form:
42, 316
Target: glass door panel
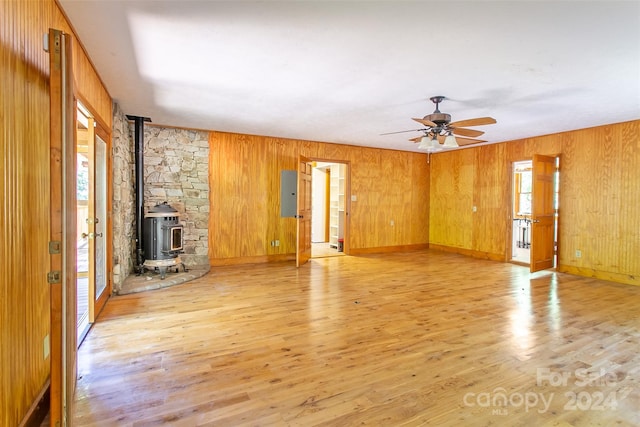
84, 134
100, 223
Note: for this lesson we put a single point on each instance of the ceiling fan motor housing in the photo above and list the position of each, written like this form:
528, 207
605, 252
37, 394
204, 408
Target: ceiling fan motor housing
438, 118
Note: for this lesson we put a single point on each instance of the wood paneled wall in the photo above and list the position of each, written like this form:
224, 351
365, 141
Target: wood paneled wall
599, 201
24, 198
599, 197
245, 196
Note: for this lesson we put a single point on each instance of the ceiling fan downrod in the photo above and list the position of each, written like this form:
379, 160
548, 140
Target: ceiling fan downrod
437, 100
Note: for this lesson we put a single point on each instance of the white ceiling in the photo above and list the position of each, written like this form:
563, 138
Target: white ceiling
347, 71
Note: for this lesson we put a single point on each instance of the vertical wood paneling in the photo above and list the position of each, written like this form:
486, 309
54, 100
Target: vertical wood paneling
419, 222
24, 195
600, 193
88, 86
491, 197
24, 199
629, 201
599, 196
452, 187
245, 205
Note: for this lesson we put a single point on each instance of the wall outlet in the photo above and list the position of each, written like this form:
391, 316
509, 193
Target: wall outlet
45, 346
277, 242
354, 198
392, 223
578, 253
474, 209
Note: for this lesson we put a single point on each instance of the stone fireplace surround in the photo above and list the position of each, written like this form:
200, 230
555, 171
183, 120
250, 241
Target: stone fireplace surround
176, 171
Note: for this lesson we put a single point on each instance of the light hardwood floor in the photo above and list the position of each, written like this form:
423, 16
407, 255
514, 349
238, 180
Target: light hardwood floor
322, 250
421, 338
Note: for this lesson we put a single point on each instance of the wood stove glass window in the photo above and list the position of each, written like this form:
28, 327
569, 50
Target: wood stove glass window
176, 238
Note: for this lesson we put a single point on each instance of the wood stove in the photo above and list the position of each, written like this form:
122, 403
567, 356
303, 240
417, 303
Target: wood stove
163, 238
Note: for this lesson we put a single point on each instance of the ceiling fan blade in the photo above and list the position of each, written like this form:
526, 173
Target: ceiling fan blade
426, 122
474, 122
467, 132
403, 131
468, 141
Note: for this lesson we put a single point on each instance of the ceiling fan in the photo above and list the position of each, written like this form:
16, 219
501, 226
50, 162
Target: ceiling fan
440, 130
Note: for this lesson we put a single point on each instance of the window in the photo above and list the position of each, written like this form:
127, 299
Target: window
523, 192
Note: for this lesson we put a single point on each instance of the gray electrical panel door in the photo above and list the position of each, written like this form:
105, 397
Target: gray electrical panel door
288, 193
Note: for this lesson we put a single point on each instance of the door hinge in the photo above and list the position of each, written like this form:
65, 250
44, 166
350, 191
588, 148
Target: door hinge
53, 277
55, 247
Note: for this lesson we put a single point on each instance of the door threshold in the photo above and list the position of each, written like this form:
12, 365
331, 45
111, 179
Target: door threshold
516, 262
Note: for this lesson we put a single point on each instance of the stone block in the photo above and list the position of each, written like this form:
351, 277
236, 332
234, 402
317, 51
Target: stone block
201, 251
190, 193
195, 202
152, 160
201, 186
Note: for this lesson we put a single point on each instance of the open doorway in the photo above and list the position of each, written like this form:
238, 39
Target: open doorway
535, 197
521, 212
328, 204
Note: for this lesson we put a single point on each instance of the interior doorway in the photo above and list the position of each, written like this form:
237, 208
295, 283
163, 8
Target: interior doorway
521, 212
328, 204
526, 211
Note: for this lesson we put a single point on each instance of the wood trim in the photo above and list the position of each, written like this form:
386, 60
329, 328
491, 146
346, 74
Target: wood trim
327, 203
39, 408
62, 226
597, 274
468, 252
253, 259
55, 169
389, 249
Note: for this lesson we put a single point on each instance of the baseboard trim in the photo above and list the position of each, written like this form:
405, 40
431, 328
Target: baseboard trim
217, 262
627, 279
388, 249
469, 252
39, 408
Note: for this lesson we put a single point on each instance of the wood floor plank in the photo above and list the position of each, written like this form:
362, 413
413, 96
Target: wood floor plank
419, 338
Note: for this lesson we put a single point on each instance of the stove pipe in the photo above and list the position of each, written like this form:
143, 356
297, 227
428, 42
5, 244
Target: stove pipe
139, 178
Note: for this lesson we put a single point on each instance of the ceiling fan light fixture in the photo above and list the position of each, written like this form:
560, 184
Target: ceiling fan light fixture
432, 144
450, 141
425, 143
